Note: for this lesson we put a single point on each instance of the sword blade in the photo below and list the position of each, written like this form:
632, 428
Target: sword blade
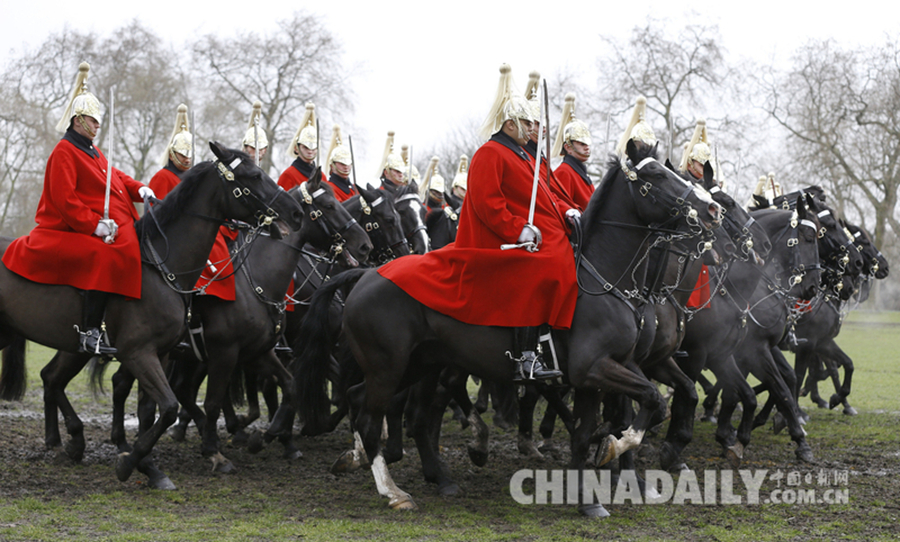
109, 149
537, 172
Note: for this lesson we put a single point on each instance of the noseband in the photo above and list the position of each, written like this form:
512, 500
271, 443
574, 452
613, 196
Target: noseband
315, 213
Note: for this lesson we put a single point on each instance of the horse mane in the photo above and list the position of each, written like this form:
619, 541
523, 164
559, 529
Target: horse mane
613, 170
174, 204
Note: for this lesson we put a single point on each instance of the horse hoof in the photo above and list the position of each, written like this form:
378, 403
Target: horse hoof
240, 438
850, 411
667, 456
606, 452
74, 451
804, 453
711, 418
344, 463
403, 503
291, 454
162, 483
124, 466
834, 401
478, 457
178, 433
449, 490
822, 404
593, 511
778, 423
527, 448
255, 442
222, 465
734, 454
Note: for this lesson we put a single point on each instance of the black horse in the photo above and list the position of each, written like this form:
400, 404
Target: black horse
245, 330
175, 242
396, 340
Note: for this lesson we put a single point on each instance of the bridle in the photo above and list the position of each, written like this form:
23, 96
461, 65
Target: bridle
311, 208
420, 226
385, 250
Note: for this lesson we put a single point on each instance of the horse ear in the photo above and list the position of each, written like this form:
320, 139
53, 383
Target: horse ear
631, 150
369, 186
220, 151
761, 201
669, 165
801, 207
316, 178
708, 173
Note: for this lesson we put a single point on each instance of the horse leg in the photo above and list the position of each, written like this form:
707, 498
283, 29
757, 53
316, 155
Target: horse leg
484, 391
148, 371
369, 423
585, 414
556, 408
122, 381
392, 451
223, 359
454, 382
428, 401
61, 369
735, 388
504, 397
684, 403
709, 402
834, 356
768, 372
525, 439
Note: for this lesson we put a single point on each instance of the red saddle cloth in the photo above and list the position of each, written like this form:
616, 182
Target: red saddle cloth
700, 296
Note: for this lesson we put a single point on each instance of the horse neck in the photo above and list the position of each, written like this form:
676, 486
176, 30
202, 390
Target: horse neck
271, 262
616, 239
187, 239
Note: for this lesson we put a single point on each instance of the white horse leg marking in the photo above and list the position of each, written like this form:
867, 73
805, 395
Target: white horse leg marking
399, 499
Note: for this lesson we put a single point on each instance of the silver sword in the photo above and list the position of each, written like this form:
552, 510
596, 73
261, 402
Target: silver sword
256, 138
531, 246
111, 224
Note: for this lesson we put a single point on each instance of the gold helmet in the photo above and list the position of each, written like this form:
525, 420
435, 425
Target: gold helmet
306, 134
570, 128
462, 174
508, 105
404, 154
337, 151
698, 148
637, 129
255, 133
533, 94
433, 180
81, 102
181, 139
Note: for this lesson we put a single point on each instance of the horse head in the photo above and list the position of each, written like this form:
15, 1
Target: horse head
381, 221
795, 248
749, 237
412, 215
875, 262
662, 197
252, 196
328, 224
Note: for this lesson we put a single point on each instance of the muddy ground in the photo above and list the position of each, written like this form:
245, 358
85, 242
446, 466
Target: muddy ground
308, 492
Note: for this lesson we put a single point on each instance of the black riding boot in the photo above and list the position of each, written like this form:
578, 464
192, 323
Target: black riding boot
529, 365
92, 340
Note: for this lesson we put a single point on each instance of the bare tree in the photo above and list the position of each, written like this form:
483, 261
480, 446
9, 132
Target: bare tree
299, 63
841, 111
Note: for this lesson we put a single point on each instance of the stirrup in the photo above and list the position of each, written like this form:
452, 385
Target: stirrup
530, 367
91, 342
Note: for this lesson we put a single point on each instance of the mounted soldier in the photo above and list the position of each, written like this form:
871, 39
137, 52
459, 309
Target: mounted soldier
255, 142
476, 281
458, 187
638, 130
338, 167
177, 157
573, 142
85, 236
432, 189
304, 148
392, 167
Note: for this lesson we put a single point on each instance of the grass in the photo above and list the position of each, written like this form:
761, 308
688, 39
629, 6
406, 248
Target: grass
301, 501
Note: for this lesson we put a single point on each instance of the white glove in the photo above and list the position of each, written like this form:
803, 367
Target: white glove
573, 213
527, 236
102, 230
146, 192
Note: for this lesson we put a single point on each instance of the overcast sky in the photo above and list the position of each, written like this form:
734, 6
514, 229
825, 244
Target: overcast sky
451, 51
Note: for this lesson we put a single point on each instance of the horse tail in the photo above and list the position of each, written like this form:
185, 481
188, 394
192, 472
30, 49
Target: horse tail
96, 369
312, 347
12, 376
